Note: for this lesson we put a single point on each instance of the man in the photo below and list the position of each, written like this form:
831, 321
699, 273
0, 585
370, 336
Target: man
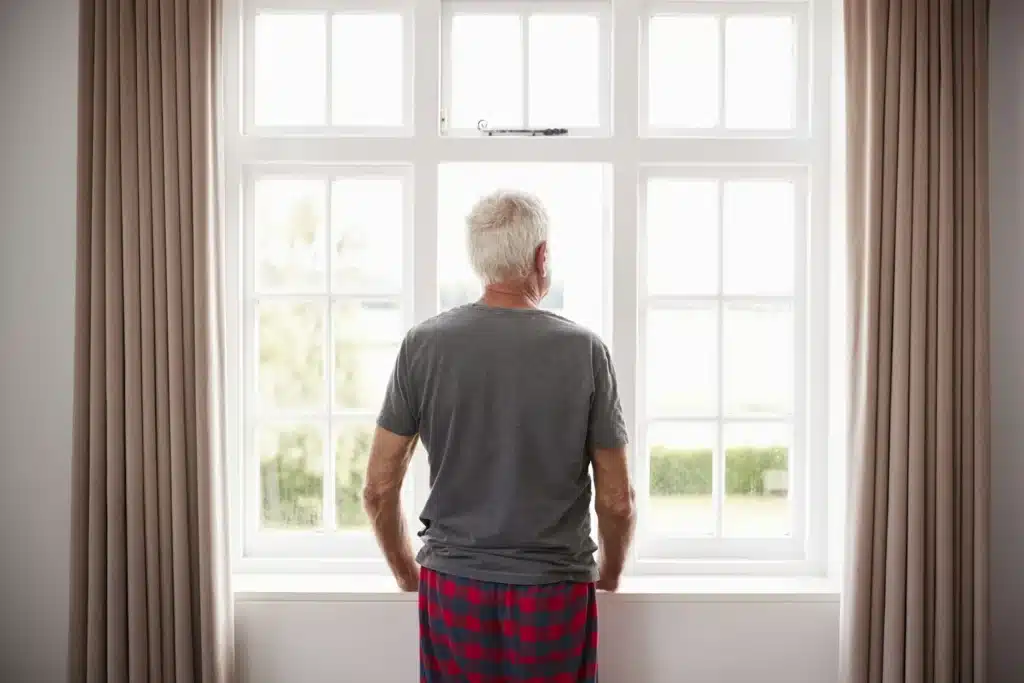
514, 405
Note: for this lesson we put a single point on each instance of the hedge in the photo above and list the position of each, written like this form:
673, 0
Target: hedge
292, 497
688, 472
292, 493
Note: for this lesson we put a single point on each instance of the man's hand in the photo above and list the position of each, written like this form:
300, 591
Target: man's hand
608, 585
389, 461
408, 578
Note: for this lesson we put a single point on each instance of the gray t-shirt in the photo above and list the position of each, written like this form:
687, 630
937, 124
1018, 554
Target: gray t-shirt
509, 404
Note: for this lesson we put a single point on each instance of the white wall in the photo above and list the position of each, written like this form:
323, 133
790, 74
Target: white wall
38, 76
307, 642
696, 641
1006, 122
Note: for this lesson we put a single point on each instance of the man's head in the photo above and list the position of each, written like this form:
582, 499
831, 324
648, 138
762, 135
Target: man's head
508, 242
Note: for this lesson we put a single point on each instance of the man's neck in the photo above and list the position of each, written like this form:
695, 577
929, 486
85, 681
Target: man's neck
510, 296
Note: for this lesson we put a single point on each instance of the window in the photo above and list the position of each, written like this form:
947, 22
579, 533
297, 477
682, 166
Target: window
689, 205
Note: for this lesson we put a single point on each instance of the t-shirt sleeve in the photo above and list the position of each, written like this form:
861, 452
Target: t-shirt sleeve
400, 412
607, 427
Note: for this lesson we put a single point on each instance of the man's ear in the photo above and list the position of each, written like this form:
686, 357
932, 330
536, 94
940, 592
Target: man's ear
541, 259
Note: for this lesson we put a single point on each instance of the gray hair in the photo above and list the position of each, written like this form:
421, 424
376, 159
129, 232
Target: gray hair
504, 230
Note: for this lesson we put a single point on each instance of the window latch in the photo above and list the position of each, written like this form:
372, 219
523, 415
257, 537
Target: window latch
482, 126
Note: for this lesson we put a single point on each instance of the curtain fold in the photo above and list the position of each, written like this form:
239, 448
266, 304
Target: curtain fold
915, 605
149, 583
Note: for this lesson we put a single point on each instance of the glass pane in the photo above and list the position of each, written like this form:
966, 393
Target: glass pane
366, 70
351, 454
682, 476
760, 72
290, 69
573, 196
291, 476
289, 220
758, 361
367, 216
759, 226
682, 236
563, 79
682, 365
683, 85
487, 71
756, 481
290, 345
366, 339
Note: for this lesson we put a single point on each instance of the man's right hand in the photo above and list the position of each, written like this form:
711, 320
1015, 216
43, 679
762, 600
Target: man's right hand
608, 584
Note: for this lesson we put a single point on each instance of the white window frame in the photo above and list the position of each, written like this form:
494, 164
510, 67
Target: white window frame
632, 152
524, 9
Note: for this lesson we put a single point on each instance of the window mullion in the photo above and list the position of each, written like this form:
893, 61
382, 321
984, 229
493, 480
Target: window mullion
625, 211
330, 492
328, 70
719, 462
524, 31
421, 221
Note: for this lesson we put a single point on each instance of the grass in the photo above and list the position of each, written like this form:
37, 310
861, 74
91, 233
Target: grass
743, 516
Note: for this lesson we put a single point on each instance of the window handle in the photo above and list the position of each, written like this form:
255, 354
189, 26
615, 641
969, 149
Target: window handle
482, 126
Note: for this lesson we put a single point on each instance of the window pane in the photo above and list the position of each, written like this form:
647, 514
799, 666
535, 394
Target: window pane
682, 236
760, 72
760, 225
291, 355
290, 69
366, 70
367, 216
573, 195
684, 81
682, 475
758, 361
366, 339
291, 476
288, 215
563, 77
756, 480
682, 366
351, 454
487, 71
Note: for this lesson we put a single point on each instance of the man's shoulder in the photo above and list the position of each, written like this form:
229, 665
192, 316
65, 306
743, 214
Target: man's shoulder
468, 319
440, 323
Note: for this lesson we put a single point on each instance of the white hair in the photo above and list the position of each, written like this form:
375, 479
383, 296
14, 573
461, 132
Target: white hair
504, 230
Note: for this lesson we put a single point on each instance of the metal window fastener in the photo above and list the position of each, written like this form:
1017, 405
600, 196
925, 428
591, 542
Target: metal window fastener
481, 125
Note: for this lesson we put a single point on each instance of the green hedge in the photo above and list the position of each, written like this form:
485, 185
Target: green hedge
293, 495
677, 472
292, 491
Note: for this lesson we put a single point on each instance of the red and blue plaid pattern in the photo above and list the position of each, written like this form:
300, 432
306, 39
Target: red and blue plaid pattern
480, 632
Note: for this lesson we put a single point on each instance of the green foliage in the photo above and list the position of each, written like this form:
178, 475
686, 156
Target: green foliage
291, 374
678, 472
353, 454
291, 480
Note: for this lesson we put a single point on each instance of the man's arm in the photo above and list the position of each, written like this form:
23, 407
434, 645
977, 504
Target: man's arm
614, 499
616, 515
389, 461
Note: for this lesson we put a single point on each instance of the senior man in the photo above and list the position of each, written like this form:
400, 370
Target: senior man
514, 406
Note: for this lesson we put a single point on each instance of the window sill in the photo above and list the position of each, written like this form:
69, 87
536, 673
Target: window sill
376, 588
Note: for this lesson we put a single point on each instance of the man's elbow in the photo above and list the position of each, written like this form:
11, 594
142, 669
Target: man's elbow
376, 498
619, 506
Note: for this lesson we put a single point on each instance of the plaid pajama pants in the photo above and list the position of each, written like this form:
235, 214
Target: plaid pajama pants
480, 632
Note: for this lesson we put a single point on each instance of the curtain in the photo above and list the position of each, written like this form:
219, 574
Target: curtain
149, 581
915, 605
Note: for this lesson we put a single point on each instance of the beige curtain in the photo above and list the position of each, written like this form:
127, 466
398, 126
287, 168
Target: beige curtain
916, 597
150, 598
